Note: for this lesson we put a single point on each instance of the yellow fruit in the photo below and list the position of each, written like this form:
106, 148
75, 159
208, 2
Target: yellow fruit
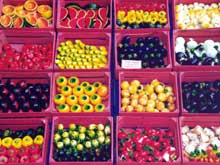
155, 82
159, 88
132, 89
129, 108
125, 85
125, 93
135, 83
149, 109
125, 101
149, 89
162, 97
151, 103
139, 108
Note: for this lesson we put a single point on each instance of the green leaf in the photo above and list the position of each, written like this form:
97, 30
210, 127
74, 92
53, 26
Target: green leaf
215, 148
131, 154
131, 135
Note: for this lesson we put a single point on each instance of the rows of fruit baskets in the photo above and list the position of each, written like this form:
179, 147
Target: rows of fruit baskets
109, 82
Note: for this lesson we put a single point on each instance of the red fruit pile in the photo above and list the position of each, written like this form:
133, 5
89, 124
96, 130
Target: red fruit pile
30, 57
89, 16
146, 145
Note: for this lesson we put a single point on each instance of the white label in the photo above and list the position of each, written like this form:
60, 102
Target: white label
131, 64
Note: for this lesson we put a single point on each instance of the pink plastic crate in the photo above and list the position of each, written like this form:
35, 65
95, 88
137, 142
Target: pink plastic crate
62, 3
149, 122
122, 3
197, 77
164, 37
18, 39
207, 121
199, 36
17, 124
30, 78
51, 3
177, 2
103, 77
84, 121
96, 39
169, 78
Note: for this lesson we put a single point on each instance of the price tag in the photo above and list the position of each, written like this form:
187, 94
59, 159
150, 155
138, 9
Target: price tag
131, 64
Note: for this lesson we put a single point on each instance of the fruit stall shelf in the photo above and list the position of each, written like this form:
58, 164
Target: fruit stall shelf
177, 2
198, 36
195, 77
51, 3
82, 121
96, 39
205, 121
79, 5
31, 123
124, 122
92, 77
162, 35
17, 40
169, 78
27, 78
126, 4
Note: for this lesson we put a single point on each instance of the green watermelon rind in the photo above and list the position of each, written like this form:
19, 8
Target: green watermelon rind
27, 24
91, 6
74, 5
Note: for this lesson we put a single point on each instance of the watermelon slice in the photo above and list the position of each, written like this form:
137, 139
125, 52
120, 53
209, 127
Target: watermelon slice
18, 23
81, 14
103, 13
63, 13
72, 23
65, 23
84, 23
98, 24
73, 13
105, 23
91, 14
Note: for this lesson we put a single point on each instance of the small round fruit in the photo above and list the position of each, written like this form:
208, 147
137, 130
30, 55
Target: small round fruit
160, 106
75, 108
89, 90
159, 88
162, 97
151, 103
103, 91
132, 89
153, 96
77, 90
95, 99
125, 101
100, 108
125, 85
83, 99
73, 81
135, 83
61, 81
149, 109
66, 90
143, 100
125, 93
88, 108
134, 102
149, 89
155, 83
139, 108
171, 107
129, 108
71, 100
59, 99
97, 85
171, 99
63, 108
84, 84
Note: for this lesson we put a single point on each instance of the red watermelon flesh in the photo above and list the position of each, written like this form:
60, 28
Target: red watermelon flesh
73, 23
73, 13
63, 13
91, 14
102, 13
83, 23
65, 23
98, 24
81, 14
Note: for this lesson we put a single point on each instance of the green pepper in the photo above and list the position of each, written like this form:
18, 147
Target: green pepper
7, 133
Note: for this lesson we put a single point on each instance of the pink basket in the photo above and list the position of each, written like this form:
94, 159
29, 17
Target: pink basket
96, 39
84, 121
33, 123
18, 39
199, 77
119, 3
52, 3
169, 78
163, 35
62, 3
199, 36
103, 77
177, 2
30, 78
149, 122
203, 121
